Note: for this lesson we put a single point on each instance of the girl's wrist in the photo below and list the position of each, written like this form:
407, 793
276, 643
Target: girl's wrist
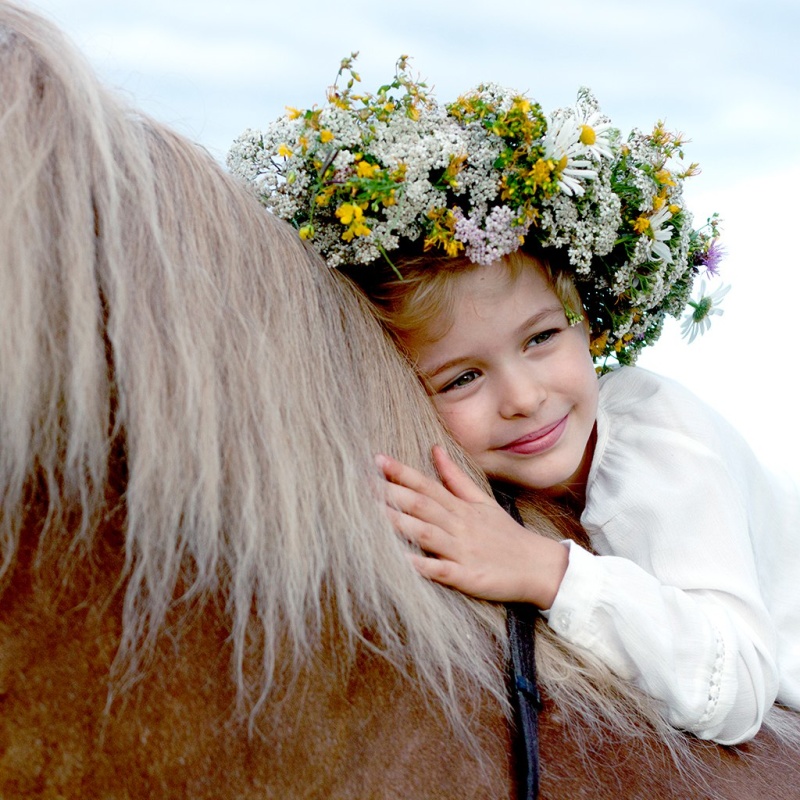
546, 568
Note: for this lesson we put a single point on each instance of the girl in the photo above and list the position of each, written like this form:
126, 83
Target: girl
693, 595
687, 592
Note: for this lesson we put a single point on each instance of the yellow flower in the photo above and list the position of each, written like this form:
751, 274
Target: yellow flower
453, 168
507, 191
352, 215
658, 201
324, 197
620, 343
366, 170
356, 229
660, 135
325, 136
335, 99
598, 345
303, 142
306, 232
641, 224
453, 248
284, 151
674, 209
347, 212
541, 171
443, 232
399, 175
294, 113
522, 104
588, 136
664, 177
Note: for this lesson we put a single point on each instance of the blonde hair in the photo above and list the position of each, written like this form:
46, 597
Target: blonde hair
178, 368
417, 292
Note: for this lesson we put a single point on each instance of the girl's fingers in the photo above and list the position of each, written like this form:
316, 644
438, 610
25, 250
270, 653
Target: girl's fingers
401, 474
435, 569
419, 506
427, 537
455, 479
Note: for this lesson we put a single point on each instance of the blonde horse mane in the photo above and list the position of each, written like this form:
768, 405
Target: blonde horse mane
162, 333
151, 308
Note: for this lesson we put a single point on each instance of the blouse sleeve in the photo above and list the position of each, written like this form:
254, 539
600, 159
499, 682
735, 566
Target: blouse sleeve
674, 604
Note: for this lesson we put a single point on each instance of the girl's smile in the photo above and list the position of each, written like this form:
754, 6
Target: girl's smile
513, 382
538, 441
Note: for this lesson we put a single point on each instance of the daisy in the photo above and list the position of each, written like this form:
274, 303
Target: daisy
562, 142
698, 321
660, 236
596, 133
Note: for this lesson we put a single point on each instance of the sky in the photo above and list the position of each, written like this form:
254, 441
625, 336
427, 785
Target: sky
724, 72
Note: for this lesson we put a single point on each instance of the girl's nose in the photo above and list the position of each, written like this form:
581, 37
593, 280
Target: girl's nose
521, 394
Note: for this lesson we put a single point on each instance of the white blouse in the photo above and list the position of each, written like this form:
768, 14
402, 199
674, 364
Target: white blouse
694, 595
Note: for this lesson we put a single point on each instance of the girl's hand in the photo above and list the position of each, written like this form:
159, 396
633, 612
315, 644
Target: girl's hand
470, 542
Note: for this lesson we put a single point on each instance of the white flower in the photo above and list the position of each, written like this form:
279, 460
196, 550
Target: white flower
562, 141
698, 321
596, 133
659, 247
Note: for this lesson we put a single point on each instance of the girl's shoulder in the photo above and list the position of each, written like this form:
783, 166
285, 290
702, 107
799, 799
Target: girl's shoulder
634, 395
656, 441
645, 419
639, 382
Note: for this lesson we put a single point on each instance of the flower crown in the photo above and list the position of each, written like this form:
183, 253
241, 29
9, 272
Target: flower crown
367, 172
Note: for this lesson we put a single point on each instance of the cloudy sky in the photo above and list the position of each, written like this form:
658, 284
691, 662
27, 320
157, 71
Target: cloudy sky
724, 72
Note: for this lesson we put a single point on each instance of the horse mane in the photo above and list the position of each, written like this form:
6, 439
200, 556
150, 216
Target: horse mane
156, 321
173, 355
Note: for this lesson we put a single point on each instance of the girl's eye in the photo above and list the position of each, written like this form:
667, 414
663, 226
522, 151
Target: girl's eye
464, 379
541, 338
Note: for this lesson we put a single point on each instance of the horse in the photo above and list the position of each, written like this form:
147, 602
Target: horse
200, 594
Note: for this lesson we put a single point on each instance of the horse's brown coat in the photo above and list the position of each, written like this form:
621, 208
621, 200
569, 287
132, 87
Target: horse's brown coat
342, 729
345, 729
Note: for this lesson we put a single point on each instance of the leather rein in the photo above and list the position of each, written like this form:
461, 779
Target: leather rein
523, 691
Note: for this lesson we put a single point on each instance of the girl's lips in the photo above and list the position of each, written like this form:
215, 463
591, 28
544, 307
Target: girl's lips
538, 441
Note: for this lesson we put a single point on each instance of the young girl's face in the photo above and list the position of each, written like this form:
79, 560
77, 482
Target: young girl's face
513, 382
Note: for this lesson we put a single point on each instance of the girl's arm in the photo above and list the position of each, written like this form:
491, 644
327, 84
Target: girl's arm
686, 525
470, 542
680, 614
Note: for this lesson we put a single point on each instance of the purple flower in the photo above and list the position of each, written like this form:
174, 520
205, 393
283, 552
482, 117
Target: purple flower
711, 257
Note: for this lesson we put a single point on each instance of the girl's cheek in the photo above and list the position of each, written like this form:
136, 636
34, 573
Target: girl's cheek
457, 422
